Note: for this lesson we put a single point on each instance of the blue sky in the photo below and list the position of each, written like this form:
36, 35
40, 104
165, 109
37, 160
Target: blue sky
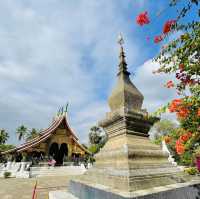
56, 51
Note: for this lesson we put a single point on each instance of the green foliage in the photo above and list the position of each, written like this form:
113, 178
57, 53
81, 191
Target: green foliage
160, 110
181, 57
197, 151
94, 148
32, 134
164, 127
191, 170
5, 147
89, 159
160, 129
7, 174
186, 159
22, 132
158, 140
3, 136
95, 135
24, 157
184, 50
97, 139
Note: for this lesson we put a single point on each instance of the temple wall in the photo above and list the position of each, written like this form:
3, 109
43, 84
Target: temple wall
60, 137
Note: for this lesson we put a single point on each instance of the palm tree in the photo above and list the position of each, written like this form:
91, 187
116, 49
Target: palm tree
97, 139
32, 134
3, 136
95, 135
22, 132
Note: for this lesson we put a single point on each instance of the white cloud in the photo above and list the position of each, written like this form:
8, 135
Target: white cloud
152, 87
10, 70
53, 52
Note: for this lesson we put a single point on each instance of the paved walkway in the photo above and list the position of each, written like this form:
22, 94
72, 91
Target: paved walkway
14, 188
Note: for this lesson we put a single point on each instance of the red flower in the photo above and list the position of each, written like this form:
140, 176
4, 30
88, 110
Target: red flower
173, 107
158, 39
179, 142
180, 149
198, 112
184, 137
142, 18
168, 25
183, 112
169, 84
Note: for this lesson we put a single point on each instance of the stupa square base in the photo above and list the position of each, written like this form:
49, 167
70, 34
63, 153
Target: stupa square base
188, 190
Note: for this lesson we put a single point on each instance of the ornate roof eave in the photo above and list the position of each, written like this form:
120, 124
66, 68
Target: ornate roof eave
44, 135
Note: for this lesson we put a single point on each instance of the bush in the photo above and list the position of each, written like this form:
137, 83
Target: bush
7, 174
94, 148
187, 159
191, 170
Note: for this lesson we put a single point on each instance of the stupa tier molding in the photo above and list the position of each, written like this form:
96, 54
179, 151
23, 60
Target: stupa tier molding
127, 122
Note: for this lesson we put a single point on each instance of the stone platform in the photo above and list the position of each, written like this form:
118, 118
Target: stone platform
188, 190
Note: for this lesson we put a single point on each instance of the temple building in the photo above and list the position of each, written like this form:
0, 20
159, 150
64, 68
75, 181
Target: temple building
57, 142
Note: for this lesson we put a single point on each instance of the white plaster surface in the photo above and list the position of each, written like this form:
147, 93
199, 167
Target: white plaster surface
21, 170
166, 150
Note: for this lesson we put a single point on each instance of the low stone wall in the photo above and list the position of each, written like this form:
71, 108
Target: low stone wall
24, 170
17, 169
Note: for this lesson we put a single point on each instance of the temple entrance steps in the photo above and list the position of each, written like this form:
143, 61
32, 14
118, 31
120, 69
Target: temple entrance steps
57, 171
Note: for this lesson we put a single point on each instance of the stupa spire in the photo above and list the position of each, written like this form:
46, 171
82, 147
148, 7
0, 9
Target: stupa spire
125, 95
122, 60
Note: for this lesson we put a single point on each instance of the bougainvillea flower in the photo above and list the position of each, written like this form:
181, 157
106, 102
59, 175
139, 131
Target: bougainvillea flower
185, 137
183, 112
143, 18
198, 112
158, 39
173, 107
180, 149
169, 84
168, 25
179, 142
